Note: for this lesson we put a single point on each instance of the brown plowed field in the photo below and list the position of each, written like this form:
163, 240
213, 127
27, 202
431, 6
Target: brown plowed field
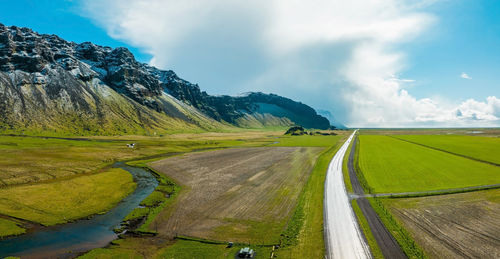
243, 195
465, 225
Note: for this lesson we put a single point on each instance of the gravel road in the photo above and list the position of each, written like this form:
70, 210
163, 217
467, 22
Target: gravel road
388, 245
343, 236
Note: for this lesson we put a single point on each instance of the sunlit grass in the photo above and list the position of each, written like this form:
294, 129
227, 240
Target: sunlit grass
61, 201
9, 228
391, 165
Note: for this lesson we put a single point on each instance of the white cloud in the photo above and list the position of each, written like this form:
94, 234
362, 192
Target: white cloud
465, 76
332, 54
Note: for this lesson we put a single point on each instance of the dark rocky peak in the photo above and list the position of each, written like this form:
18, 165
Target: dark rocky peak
122, 56
91, 52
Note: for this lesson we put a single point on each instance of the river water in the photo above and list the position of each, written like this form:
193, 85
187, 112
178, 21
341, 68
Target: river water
68, 240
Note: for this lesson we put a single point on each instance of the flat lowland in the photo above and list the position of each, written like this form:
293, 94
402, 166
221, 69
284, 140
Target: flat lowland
482, 148
240, 194
30, 159
394, 166
61, 201
491, 132
464, 225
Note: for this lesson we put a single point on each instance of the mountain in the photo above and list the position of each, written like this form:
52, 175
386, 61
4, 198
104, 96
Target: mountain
48, 84
333, 121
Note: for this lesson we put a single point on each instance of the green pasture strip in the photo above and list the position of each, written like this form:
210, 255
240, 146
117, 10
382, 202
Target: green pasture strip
10, 228
479, 148
394, 166
359, 173
62, 201
363, 223
189, 249
345, 170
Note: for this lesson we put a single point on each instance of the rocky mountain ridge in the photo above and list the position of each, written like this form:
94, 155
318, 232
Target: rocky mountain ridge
47, 83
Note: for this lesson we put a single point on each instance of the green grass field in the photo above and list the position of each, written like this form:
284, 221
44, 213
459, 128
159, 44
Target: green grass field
482, 148
185, 249
10, 228
62, 201
392, 166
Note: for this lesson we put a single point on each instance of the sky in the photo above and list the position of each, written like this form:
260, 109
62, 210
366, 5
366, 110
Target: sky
380, 63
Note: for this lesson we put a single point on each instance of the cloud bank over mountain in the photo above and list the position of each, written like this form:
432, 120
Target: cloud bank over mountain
334, 55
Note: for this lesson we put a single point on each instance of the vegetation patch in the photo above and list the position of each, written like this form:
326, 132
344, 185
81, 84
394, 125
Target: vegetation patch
306, 141
10, 228
394, 166
363, 223
474, 147
139, 220
62, 201
187, 249
345, 170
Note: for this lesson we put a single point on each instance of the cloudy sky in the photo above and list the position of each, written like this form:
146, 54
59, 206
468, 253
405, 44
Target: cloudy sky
378, 63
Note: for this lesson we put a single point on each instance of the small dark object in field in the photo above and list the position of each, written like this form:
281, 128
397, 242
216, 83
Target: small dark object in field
246, 253
296, 130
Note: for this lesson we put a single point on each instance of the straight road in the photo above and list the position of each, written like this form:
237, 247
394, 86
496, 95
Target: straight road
343, 236
388, 245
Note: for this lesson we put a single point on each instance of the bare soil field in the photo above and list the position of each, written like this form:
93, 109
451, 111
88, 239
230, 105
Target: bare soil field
241, 194
464, 225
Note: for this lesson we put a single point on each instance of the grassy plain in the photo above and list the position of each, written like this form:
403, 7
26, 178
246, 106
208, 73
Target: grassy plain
45, 167
30, 159
185, 249
482, 148
306, 141
62, 201
391, 166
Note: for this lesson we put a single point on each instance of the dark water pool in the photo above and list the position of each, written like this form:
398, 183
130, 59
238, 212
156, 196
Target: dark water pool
67, 240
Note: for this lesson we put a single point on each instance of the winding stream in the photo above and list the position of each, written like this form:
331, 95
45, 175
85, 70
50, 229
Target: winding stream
69, 239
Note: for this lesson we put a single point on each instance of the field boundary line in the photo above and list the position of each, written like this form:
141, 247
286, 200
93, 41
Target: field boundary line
446, 151
429, 193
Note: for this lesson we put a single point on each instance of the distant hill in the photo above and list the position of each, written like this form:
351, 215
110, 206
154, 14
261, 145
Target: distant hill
48, 84
333, 121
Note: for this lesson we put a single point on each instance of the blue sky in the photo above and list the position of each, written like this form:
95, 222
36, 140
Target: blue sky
466, 39
388, 64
